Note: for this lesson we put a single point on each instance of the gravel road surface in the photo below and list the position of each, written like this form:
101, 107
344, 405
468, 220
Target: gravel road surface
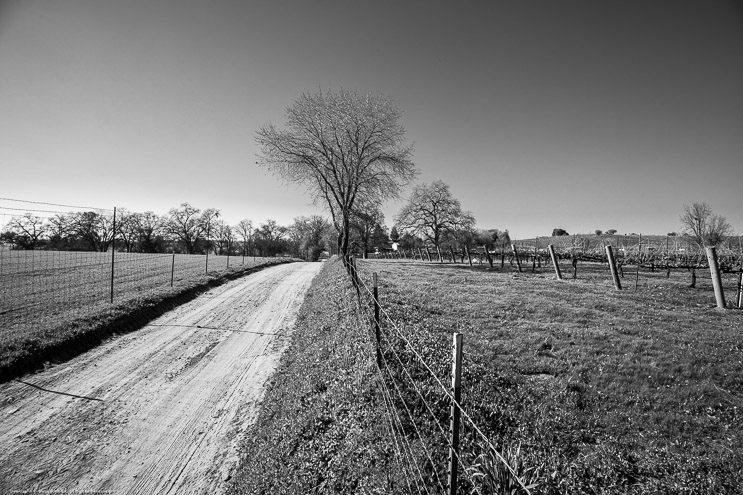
157, 411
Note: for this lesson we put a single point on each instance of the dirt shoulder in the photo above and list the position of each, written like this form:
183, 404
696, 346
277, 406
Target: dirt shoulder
159, 410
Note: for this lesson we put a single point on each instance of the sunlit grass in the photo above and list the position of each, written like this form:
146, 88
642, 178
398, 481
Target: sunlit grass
634, 390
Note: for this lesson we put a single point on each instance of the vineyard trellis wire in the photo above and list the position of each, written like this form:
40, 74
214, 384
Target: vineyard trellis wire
395, 375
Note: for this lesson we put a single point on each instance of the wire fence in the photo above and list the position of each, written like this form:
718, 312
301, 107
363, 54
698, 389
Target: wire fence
43, 288
419, 408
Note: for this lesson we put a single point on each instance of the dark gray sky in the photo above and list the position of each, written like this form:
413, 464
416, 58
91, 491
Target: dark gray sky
539, 114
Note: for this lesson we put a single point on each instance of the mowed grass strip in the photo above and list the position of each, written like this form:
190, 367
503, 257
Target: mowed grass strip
604, 391
322, 423
77, 319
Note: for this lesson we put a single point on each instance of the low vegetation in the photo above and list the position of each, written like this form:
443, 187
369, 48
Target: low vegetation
319, 428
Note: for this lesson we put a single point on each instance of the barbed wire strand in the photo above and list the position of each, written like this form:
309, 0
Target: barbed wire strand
391, 408
425, 402
446, 391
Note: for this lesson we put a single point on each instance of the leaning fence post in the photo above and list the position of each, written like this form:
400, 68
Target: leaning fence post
516, 255
714, 270
456, 383
613, 268
487, 255
551, 250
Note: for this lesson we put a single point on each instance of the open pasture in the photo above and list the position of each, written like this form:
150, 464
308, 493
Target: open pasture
44, 294
605, 391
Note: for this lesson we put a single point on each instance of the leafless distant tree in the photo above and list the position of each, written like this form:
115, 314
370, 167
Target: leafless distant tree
245, 231
224, 236
95, 230
190, 225
150, 230
343, 147
26, 231
433, 213
703, 227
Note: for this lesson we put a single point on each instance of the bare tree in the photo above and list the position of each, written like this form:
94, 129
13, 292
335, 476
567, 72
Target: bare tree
364, 221
343, 147
703, 227
306, 233
26, 231
96, 230
245, 231
190, 225
127, 228
150, 231
225, 237
433, 213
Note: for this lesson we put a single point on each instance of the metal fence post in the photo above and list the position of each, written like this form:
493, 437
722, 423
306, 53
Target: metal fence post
172, 269
113, 251
456, 381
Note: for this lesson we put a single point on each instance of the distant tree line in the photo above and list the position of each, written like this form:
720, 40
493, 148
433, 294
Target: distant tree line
190, 230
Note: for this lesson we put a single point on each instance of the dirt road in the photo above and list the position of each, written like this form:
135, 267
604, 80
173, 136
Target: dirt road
159, 410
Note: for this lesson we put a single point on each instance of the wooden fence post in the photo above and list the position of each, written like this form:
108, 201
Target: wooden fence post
714, 270
613, 268
172, 269
487, 256
516, 255
456, 383
740, 291
377, 332
553, 257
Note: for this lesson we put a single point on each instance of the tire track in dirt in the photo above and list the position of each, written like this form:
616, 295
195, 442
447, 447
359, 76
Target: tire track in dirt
160, 410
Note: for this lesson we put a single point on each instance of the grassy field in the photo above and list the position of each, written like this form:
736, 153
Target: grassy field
50, 298
583, 388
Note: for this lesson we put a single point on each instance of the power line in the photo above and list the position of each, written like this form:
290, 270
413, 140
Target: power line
53, 204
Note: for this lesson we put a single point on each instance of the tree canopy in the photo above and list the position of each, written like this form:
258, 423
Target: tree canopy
343, 147
433, 213
704, 227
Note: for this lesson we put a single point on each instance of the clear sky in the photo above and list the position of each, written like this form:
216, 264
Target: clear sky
581, 115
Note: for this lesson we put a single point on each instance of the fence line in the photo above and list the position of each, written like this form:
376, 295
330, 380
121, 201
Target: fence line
44, 287
446, 393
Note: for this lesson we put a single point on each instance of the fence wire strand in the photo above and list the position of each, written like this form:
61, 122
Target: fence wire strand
443, 387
